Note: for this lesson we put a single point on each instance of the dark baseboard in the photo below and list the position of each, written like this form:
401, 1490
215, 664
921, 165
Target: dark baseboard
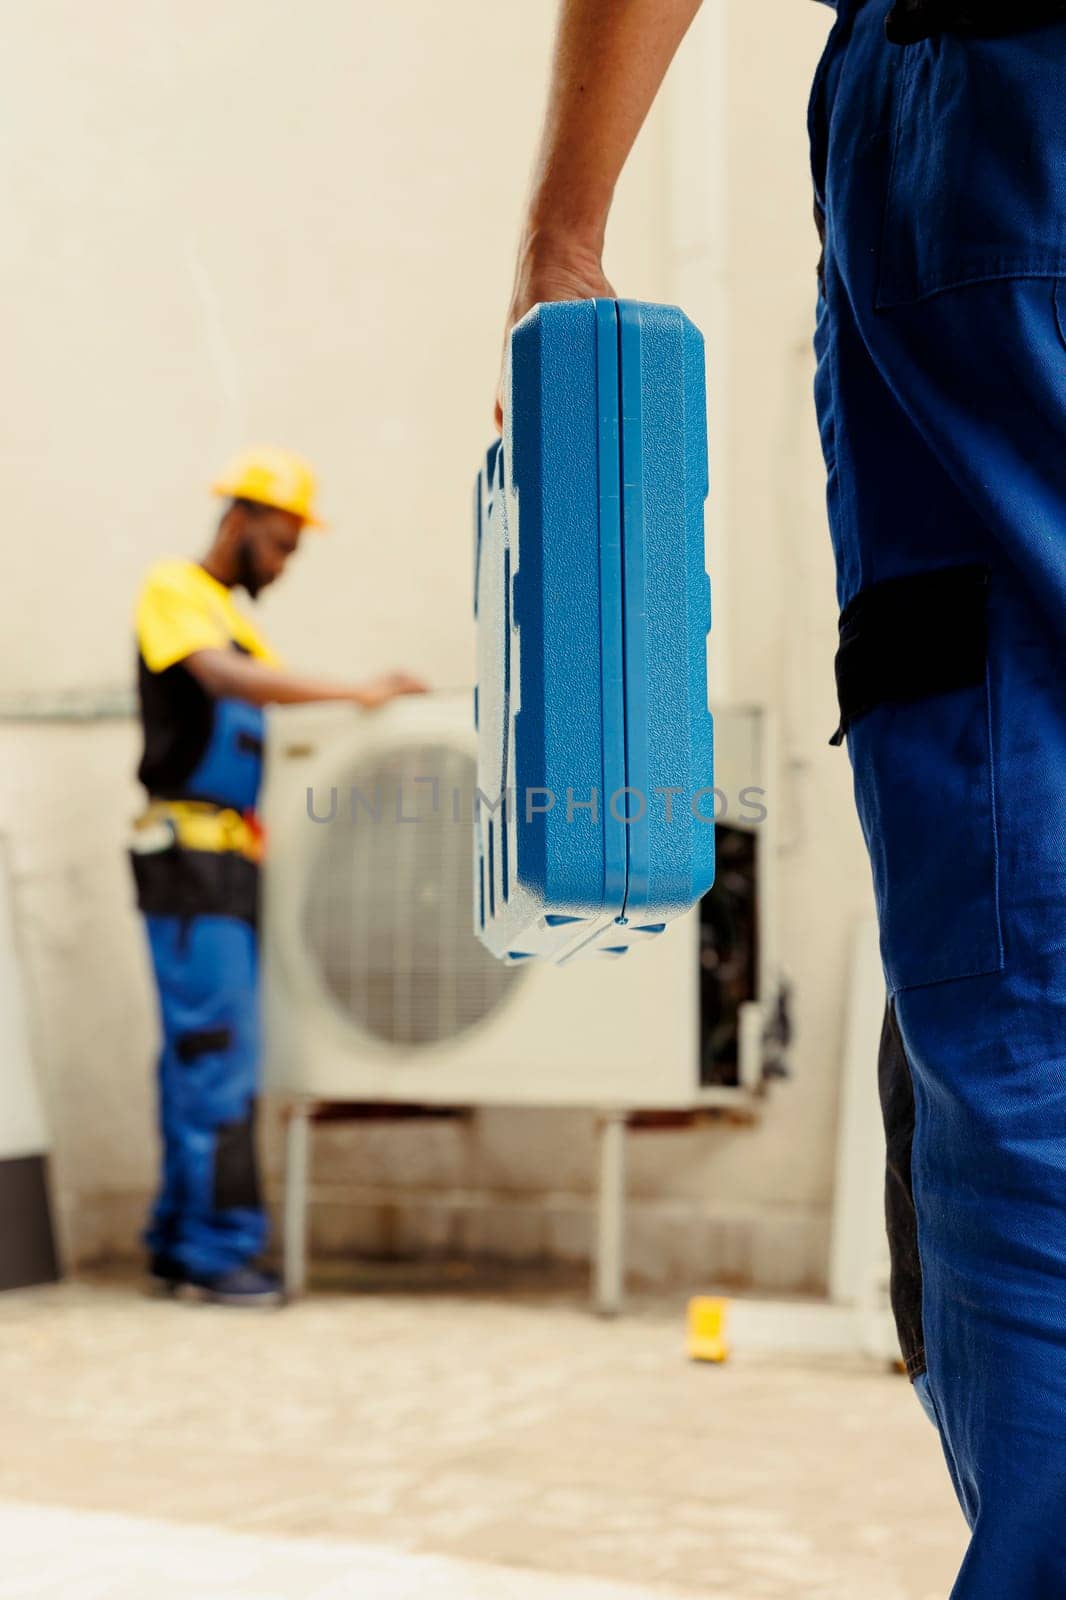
27, 1236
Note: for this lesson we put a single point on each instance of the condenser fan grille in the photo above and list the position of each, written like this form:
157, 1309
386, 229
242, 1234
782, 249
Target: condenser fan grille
388, 919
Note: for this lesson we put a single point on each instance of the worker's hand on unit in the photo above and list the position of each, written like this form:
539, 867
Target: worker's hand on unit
379, 691
606, 70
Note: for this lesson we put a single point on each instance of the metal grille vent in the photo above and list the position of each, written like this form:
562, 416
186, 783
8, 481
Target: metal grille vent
388, 915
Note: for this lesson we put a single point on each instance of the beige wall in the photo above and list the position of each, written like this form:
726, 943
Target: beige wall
240, 219
781, 596
232, 220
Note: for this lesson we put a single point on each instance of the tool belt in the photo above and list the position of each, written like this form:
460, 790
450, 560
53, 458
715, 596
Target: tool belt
906, 638
192, 859
196, 825
910, 20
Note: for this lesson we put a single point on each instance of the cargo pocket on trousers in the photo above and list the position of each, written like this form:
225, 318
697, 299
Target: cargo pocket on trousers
926, 800
977, 187
915, 702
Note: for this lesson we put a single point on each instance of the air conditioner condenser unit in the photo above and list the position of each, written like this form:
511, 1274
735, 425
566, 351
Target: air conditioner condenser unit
376, 988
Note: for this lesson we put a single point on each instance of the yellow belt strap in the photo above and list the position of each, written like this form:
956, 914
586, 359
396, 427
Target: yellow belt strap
199, 826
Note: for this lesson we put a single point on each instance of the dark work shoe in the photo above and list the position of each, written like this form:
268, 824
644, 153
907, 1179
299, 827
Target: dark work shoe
166, 1273
243, 1286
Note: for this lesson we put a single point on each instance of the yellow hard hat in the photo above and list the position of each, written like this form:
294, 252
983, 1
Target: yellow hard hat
276, 478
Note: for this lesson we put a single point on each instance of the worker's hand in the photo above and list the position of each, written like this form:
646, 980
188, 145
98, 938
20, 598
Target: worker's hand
379, 691
397, 683
550, 269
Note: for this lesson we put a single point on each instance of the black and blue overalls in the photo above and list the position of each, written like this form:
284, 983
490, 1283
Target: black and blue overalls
195, 857
940, 174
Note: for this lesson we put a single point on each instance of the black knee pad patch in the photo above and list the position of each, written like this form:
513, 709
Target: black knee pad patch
236, 1179
897, 1108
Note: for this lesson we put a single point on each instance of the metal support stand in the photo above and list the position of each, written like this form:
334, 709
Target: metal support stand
610, 1244
297, 1163
301, 1114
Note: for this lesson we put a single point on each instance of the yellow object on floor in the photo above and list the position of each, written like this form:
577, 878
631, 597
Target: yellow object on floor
707, 1317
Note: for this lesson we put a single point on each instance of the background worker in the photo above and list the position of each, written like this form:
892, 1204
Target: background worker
205, 674
938, 157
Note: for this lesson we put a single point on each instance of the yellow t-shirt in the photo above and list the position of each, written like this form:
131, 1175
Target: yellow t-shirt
182, 609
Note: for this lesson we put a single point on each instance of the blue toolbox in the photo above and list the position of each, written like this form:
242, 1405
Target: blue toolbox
594, 817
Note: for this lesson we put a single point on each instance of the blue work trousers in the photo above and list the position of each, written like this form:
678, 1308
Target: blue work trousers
208, 1218
940, 178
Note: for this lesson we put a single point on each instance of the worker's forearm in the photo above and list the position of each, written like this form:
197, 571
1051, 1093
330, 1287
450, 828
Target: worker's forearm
610, 58
227, 673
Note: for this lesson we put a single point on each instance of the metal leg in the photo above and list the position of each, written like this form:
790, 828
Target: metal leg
610, 1246
297, 1162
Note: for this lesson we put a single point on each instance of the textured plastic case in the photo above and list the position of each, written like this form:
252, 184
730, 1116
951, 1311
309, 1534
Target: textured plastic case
595, 807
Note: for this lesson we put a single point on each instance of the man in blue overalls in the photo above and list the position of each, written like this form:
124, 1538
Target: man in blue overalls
938, 138
205, 675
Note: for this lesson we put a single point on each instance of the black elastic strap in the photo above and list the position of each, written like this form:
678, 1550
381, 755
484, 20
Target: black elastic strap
906, 638
203, 1042
911, 20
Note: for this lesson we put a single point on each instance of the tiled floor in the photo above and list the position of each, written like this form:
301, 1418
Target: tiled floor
49, 1551
512, 1433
